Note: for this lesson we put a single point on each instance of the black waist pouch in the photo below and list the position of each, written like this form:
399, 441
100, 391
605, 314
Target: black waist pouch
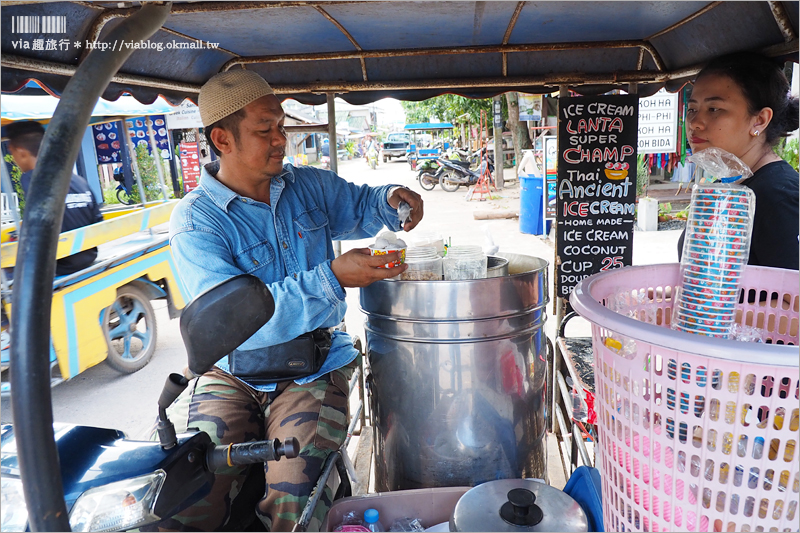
295, 359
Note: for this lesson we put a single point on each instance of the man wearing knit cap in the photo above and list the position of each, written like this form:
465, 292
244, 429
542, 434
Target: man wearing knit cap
253, 214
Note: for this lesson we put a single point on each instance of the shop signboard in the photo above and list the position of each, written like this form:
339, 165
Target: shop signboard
186, 117
551, 166
658, 123
107, 143
530, 106
137, 129
596, 188
190, 165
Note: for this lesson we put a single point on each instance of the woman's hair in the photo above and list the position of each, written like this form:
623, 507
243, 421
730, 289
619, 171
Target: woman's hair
764, 85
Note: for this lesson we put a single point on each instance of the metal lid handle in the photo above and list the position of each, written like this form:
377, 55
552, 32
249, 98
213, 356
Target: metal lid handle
521, 508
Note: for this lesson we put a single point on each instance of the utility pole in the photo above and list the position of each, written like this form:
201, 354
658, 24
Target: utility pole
498, 142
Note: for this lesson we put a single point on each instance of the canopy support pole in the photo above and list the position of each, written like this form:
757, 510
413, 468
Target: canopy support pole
333, 151
157, 159
33, 288
134, 162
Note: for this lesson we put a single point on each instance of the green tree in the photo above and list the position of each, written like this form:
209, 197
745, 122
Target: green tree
149, 174
787, 150
455, 108
448, 107
16, 175
519, 130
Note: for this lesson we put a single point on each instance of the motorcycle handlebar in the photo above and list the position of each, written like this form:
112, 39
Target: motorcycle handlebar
251, 452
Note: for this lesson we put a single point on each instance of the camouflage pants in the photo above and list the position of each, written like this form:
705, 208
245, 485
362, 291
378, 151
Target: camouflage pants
231, 412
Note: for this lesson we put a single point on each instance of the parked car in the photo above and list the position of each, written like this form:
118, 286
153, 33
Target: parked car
396, 145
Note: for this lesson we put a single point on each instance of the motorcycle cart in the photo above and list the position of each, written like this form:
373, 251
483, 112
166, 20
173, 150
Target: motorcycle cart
102, 312
417, 153
336, 48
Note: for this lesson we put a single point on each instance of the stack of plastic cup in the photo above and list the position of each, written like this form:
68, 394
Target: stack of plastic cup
715, 251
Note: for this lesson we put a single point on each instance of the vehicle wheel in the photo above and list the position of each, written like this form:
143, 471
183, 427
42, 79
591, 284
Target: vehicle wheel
427, 181
447, 185
385, 159
130, 329
373, 163
123, 197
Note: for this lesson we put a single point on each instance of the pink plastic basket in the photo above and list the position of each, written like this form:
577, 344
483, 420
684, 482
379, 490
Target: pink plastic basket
695, 433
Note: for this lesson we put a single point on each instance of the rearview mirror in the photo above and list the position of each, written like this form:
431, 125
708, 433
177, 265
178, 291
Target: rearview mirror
219, 320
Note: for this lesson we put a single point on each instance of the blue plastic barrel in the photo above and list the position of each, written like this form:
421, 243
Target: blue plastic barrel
530, 208
585, 488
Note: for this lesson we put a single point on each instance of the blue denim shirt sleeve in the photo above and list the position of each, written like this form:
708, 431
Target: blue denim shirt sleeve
356, 211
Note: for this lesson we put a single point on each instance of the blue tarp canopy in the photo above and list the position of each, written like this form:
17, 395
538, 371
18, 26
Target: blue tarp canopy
367, 50
429, 126
40, 108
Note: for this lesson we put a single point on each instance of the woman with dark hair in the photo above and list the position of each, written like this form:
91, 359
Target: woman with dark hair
741, 104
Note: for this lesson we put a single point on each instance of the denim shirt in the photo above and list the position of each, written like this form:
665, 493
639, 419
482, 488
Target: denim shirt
216, 234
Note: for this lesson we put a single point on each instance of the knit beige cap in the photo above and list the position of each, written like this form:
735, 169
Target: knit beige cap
228, 92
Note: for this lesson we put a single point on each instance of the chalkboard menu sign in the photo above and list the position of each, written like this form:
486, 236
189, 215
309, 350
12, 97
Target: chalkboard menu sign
596, 188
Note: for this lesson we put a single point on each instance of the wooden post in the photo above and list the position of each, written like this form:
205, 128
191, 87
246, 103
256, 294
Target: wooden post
560, 303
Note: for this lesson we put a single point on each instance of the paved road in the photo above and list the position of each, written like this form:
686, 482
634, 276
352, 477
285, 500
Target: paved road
102, 397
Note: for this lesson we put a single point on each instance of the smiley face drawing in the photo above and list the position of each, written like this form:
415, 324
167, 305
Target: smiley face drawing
617, 171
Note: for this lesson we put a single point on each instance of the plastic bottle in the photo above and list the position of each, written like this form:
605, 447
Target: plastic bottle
464, 262
579, 408
371, 520
424, 264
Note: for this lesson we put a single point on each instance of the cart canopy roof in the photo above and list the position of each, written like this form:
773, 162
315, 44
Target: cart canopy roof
429, 126
367, 50
15, 107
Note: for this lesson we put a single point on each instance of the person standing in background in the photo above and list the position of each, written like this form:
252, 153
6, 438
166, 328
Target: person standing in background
741, 104
24, 141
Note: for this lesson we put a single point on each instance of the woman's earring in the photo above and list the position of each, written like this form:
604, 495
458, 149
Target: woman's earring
755, 134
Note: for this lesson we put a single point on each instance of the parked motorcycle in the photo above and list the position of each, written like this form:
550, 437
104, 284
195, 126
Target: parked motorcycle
112, 483
428, 175
122, 192
458, 173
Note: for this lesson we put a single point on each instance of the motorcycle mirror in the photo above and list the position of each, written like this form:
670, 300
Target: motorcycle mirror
219, 320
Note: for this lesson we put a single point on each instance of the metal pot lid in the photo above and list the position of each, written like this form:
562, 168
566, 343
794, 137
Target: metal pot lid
517, 505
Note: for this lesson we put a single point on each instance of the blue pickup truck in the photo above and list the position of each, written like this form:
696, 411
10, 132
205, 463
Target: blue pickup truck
395, 145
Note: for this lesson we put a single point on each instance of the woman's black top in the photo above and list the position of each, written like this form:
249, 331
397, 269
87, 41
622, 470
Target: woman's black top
775, 226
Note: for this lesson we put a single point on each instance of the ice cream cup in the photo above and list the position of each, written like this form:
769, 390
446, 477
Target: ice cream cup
713, 268
703, 331
377, 251
708, 281
707, 311
722, 221
708, 292
710, 238
710, 288
717, 249
705, 301
731, 276
709, 324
